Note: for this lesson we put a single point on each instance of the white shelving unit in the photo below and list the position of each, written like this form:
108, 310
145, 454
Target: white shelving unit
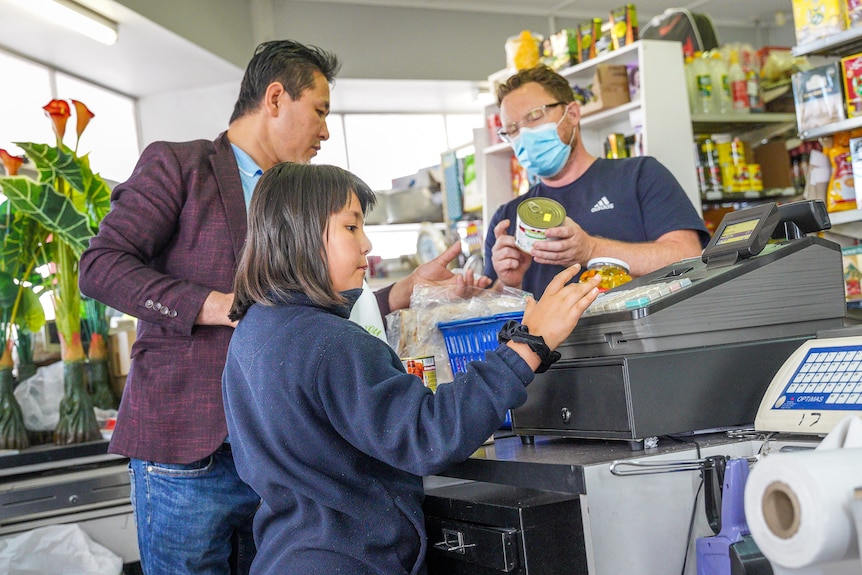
661, 109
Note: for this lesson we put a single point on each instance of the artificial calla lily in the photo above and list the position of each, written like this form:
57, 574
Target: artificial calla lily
10, 162
83, 116
59, 111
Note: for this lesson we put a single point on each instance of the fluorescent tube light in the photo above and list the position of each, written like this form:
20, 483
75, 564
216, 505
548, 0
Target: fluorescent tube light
75, 17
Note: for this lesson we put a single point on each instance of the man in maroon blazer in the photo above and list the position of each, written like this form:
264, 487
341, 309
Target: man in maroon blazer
166, 253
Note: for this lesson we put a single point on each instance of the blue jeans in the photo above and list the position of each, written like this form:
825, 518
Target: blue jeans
193, 518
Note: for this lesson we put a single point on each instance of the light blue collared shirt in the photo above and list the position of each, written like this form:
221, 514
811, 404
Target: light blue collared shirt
249, 172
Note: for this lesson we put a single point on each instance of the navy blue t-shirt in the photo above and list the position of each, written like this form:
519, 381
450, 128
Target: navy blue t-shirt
629, 200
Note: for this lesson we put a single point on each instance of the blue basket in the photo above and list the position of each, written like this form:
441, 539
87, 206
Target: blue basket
468, 339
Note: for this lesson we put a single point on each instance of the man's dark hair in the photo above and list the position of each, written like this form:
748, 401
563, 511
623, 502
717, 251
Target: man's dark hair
554, 84
285, 61
285, 248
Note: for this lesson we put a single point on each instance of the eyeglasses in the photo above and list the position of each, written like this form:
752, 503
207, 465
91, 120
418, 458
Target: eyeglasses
510, 131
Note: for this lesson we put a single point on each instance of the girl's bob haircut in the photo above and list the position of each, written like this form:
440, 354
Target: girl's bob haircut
284, 251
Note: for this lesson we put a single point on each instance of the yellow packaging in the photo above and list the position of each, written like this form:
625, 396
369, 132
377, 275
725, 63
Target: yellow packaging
815, 19
589, 33
841, 191
755, 177
522, 51
735, 178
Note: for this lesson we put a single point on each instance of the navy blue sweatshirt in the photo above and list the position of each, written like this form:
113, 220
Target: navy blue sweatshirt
335, 437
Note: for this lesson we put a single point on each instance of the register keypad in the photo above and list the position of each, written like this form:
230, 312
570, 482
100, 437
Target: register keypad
634, 298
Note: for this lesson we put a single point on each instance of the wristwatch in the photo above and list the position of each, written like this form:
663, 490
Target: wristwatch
519, 333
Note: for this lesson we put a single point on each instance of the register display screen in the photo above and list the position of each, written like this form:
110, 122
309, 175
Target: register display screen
737, 232
741, 234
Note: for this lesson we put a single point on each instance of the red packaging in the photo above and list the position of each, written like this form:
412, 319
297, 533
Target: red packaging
851, 72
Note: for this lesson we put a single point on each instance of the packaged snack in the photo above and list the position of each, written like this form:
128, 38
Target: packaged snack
840, 192
563, 49
589, 33
624, 26
815, 19
817, 95
522, 51
852, 13
851, 71
852, 256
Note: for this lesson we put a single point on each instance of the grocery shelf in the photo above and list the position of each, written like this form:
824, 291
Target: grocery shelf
710, 123
729, 197
841, 44
832, 128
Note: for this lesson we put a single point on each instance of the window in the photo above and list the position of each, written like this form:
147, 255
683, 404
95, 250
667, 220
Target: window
111, 138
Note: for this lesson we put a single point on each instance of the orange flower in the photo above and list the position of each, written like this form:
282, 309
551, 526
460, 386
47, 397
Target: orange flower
10, 162
83, 114
59, 111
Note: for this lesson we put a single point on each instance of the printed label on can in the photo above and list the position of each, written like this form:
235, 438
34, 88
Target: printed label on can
535, 215
424, 368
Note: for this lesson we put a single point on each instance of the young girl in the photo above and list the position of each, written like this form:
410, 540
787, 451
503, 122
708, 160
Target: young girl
325, 424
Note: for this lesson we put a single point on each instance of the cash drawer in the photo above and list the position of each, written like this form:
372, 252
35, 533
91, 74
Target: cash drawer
484, 529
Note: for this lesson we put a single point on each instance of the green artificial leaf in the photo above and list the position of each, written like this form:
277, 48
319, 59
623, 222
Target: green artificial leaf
52, 210
21, 239
8, 291
31, 314
89, 192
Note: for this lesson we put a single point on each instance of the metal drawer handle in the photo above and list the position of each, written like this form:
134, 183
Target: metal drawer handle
453, 542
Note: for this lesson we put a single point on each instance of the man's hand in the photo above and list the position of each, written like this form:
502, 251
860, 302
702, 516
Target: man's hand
215, 310
509, 261
566, 245
435, 272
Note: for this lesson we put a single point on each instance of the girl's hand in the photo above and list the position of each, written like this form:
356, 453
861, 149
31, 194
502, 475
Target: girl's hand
557, 313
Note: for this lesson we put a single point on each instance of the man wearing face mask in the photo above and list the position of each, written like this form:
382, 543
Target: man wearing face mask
631, 209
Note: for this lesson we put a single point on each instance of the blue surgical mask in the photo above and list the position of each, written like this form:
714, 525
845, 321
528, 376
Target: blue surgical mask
541, 151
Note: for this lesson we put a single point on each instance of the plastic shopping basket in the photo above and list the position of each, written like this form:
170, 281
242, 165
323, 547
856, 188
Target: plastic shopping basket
468, 339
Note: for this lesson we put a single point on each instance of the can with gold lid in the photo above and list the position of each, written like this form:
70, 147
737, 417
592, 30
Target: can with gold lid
535, 216
613, 272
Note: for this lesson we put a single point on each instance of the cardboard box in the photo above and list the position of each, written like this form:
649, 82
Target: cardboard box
610, 88
818, 96
815, 19
774, 162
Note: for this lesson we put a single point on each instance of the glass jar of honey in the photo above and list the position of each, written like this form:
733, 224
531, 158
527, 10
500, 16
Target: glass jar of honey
614, 272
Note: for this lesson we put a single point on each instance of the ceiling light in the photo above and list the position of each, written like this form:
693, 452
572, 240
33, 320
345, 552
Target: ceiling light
76, 17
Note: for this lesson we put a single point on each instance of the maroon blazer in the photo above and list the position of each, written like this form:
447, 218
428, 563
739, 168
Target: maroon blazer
174, 233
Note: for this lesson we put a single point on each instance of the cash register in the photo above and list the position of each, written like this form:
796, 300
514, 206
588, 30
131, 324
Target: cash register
693, 346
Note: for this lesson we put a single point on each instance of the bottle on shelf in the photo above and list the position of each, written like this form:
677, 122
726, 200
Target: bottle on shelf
703, 101
720, 84
738, 85
690, 83
751, 68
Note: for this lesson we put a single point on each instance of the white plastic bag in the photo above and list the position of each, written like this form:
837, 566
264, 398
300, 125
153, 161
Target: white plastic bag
56, 550
39, 397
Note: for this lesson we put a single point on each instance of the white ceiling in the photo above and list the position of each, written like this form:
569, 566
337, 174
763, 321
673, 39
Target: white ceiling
148, 59
723, 12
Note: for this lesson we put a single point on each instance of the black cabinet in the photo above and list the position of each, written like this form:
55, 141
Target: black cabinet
485, 529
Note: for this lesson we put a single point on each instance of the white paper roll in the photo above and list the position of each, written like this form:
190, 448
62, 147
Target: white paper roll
797, 506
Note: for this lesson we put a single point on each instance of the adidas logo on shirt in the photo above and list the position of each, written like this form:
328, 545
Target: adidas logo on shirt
603, 204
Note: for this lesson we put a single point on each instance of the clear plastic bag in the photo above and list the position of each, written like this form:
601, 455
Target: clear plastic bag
413, 332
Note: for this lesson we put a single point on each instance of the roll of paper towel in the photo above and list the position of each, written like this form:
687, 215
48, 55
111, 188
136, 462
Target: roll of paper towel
797, 506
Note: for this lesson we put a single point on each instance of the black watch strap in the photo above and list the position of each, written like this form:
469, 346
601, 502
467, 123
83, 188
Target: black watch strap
519, 333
